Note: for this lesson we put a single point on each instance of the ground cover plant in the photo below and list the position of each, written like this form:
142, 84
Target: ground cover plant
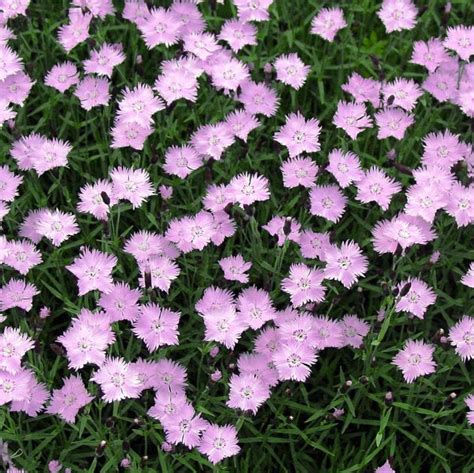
236, 236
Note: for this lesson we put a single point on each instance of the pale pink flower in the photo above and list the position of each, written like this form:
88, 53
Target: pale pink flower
354, 330
327, 201
131, 184
228, 75
202, 45
284, 229
251, 10
93, 92
304, 284
468, 278
189, 16
398, 15
13, 346
415, 359
416, 301
247, 392
249, 188
255, 307
160, 26
50, 154
181, 160
238, 34
28, 228
103, 60
328, 22
442, 149
460, 39
121, 303
402, 93
241, 123
424, 201
176, 85
235, 268
156, 326
16, 88
345, 167
67, 401
376, 186
162, 270
441, 85
291, 70
461, 204
327, 333
10, 63
385, 468
21, 255
57, 226
429, 54
363, 89
212, 140
17, 293
352, 118
93, 270
9, 183
129, 134
224, 326
299, 171
299, 135
461, 336
138, 105
36, 396
313, 245
293, 361
91, 199
76, 31
345, 263
258, 98
62, 76
393, 122
219, 442
117, 379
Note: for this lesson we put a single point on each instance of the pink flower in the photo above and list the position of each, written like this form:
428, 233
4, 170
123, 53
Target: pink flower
166, 192
247, 392
424, 201
385, 468
393, 122
418, 298
67, 401
138, 105
228, 75
398, 15
13, 346
156, 326
363, 90
12, 9
345, 167
176, 85
293, 361
103, 60
248, 188
144, 245
345, 264
415, 359
98, 8
429, 54
14, 387
212, 140
299, 171
354, 330
129, 134
17, 293
121, 303
442, 149
203, 45
469, 400
304, 284
57, 226
352, 118
214, 299
327, 201
50, 154
238, 34
277, 226
117, 379
327, 333
328, 22
299, 135
461, 204
9, 183
468, 278
160, 26
403, 230
253, 10
461, 336
241, 123
16, 88
258, 98
255, 307
10, 63
219, 442
76, 31
224, 326
185, 427
441, 85
131, 184
376, 186
162, 270
291, 70
135, 11
93, 92
189, 16
6, 112
314, 245
22, 256
91, 199
235, 268
36, 396
404, 93
87, 338
259, 365
93, 270
181, 160
62, 76
460, 39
